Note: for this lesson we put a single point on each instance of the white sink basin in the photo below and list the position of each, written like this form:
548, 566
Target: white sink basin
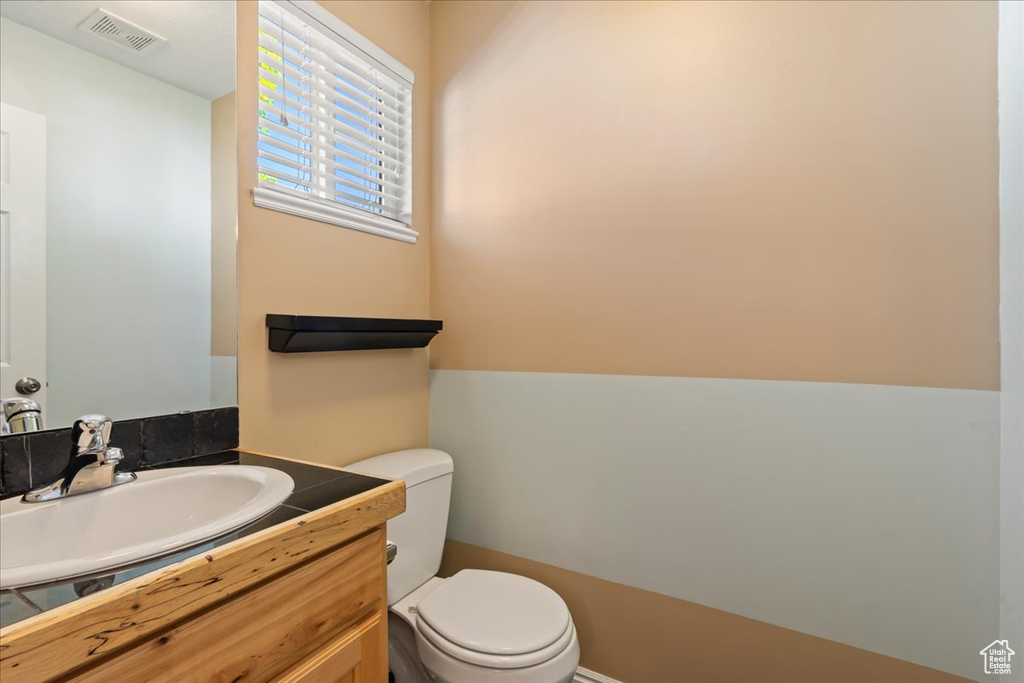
160, 512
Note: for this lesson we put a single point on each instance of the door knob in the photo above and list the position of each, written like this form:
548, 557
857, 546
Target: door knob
26, 386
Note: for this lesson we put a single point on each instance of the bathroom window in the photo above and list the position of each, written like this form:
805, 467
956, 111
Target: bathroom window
335, 123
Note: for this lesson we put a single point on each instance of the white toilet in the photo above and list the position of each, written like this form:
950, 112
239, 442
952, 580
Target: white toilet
477, 626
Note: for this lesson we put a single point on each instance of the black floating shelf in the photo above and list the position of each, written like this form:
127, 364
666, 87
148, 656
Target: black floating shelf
306, 333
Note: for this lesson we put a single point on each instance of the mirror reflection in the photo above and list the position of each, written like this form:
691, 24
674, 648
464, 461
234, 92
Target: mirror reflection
118, 220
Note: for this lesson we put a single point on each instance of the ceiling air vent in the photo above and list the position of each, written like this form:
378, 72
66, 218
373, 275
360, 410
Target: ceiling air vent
121, 31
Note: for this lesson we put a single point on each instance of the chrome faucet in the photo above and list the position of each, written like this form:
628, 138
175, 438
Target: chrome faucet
91, 464
19, 415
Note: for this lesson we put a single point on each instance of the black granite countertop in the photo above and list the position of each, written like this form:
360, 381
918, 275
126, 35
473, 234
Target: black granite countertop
315, 488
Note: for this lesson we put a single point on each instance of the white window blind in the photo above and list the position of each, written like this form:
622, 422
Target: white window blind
335, 123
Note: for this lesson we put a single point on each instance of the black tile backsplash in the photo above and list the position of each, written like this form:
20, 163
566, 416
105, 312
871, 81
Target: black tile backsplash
216, 430
168, 438
16, 467
38, 458
48, 452
127, 435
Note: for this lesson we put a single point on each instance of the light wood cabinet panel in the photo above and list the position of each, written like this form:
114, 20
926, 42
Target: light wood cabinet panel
263, 632
357, 656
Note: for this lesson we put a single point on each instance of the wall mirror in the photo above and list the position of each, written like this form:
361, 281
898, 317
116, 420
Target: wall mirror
118, 224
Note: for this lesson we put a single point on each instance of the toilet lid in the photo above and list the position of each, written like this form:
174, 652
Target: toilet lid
495, 613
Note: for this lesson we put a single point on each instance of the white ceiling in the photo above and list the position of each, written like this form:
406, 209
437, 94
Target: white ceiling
199, 55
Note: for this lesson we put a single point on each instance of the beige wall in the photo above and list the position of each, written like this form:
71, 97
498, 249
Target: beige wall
224, 209
630, 195
793, 191
332, 407
637, 636
758, 190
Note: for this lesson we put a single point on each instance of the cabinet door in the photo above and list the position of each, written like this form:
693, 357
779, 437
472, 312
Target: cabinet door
358, 655
256, 636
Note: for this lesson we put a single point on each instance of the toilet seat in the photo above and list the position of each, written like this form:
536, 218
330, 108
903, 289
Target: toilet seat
495, 619
496, 661
443, 668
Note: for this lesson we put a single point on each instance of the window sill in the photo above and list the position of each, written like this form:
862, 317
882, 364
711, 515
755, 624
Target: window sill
268, 198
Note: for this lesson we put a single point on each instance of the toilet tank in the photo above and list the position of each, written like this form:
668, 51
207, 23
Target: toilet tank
419, 532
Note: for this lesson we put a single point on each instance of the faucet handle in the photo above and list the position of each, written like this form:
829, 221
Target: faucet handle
91, 432
111, 456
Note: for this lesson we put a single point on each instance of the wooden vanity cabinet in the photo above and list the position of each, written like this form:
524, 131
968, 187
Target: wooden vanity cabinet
306, 603
327, 605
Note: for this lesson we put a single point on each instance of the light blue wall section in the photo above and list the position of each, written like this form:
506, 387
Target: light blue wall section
864, 514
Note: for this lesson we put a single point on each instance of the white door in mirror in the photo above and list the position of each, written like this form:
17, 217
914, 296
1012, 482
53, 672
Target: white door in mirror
163, 511
22, 254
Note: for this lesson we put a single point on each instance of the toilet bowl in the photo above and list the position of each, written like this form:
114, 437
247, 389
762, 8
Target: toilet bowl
477, 626
483, 626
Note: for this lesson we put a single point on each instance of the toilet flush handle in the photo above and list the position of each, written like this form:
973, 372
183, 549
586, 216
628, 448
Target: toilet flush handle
392, 552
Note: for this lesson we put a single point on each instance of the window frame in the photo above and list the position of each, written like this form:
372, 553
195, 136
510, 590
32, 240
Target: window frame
326, 210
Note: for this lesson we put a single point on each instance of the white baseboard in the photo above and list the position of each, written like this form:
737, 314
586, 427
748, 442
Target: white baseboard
588, 676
